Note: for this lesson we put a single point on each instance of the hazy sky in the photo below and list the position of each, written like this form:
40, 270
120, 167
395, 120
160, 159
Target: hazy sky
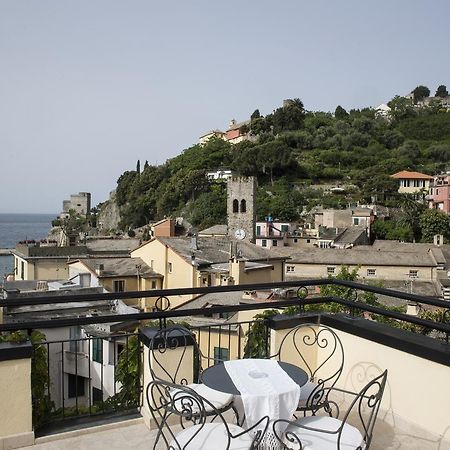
88, 87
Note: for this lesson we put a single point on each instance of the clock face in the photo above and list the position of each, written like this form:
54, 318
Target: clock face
239, 233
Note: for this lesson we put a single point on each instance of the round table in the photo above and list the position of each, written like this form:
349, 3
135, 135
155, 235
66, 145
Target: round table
216, 377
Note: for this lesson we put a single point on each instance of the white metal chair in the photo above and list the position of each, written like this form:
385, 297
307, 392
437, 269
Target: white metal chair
329, 433
319, 351
180, 338
181, 414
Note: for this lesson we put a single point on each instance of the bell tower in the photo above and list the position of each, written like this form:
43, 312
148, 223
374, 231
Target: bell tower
241, 208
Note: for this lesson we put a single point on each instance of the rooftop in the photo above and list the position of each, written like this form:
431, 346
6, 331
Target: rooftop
405, 174
120, 267
215, 249
364, 256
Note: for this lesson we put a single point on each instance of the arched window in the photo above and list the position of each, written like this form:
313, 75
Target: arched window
235, 206
243, 205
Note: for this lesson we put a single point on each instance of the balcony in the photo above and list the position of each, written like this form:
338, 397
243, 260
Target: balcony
413, 414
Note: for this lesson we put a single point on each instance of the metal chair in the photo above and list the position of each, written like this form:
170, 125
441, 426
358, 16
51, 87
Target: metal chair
181, 414
319, 351
324, 432
179, 339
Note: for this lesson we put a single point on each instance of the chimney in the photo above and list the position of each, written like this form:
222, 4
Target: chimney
194, 242
412, 309
100, 270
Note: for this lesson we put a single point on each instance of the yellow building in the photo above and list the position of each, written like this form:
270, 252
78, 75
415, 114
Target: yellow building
116, 275
213, 261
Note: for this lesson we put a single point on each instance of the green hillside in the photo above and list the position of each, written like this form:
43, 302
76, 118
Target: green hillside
295, 152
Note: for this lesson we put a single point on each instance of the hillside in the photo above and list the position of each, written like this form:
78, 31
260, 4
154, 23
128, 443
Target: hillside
294, 154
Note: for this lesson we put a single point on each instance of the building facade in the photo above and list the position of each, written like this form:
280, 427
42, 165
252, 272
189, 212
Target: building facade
439, 193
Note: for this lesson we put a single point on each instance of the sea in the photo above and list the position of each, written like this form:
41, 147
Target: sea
19, 227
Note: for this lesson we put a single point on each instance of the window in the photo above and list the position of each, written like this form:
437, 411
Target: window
221, 354
308, 241
119, 285
413, 273
97, 350
290, 268
97, 395
169, 268
284, 228
243, 206
74, 336
295, 240
258, 230
235, 206
371, 272
330, 270
76, 386
355, 220
274, 243
264, 243
324, 244
153, 284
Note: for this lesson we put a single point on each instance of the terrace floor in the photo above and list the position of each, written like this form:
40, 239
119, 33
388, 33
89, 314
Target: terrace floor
133, 434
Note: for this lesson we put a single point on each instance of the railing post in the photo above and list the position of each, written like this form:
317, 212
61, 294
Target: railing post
16, 427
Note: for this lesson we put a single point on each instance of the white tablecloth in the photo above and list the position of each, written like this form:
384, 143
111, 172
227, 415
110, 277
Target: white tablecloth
266, 390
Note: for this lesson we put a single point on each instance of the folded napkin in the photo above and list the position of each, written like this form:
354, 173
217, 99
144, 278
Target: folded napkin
266, 389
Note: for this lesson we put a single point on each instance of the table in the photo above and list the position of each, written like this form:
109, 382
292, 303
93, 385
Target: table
274, 398
216, 377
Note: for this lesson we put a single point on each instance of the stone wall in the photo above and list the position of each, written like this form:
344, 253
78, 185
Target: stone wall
239, 190
109, 214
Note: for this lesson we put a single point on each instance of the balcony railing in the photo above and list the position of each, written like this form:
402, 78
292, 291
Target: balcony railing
85, 381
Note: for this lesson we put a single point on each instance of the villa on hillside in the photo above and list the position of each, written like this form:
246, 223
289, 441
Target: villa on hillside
237, 132
413, 183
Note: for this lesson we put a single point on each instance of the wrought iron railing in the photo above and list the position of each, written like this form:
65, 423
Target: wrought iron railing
90, 376
69, 359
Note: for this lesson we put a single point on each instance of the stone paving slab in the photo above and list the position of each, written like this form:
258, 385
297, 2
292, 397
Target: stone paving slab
136, 436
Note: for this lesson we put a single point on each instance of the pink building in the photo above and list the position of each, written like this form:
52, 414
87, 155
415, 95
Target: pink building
273, 234
439, 193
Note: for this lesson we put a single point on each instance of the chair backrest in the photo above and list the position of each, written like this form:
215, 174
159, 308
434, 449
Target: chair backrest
172, 405
366, 404
363, 411
317, 349
174, 355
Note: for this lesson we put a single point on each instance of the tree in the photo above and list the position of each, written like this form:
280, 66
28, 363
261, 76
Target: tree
138, 166
256, 345
340, 113
410, 149
411, 212
127, 374
255, 115
441, 91
73, 224
432, 222
289, 117
420, 92
439, 152
401, 108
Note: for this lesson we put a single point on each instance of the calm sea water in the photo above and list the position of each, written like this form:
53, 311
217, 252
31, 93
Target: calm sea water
18, 227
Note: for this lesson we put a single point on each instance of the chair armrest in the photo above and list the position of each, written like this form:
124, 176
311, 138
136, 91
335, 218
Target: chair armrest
304, 427
258, 437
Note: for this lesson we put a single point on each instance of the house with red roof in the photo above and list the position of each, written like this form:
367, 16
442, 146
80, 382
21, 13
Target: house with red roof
413, 183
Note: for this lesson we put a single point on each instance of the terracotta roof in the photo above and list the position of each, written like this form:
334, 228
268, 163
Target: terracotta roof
411, 175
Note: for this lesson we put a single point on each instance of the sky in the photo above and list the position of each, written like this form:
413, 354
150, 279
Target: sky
88, 87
